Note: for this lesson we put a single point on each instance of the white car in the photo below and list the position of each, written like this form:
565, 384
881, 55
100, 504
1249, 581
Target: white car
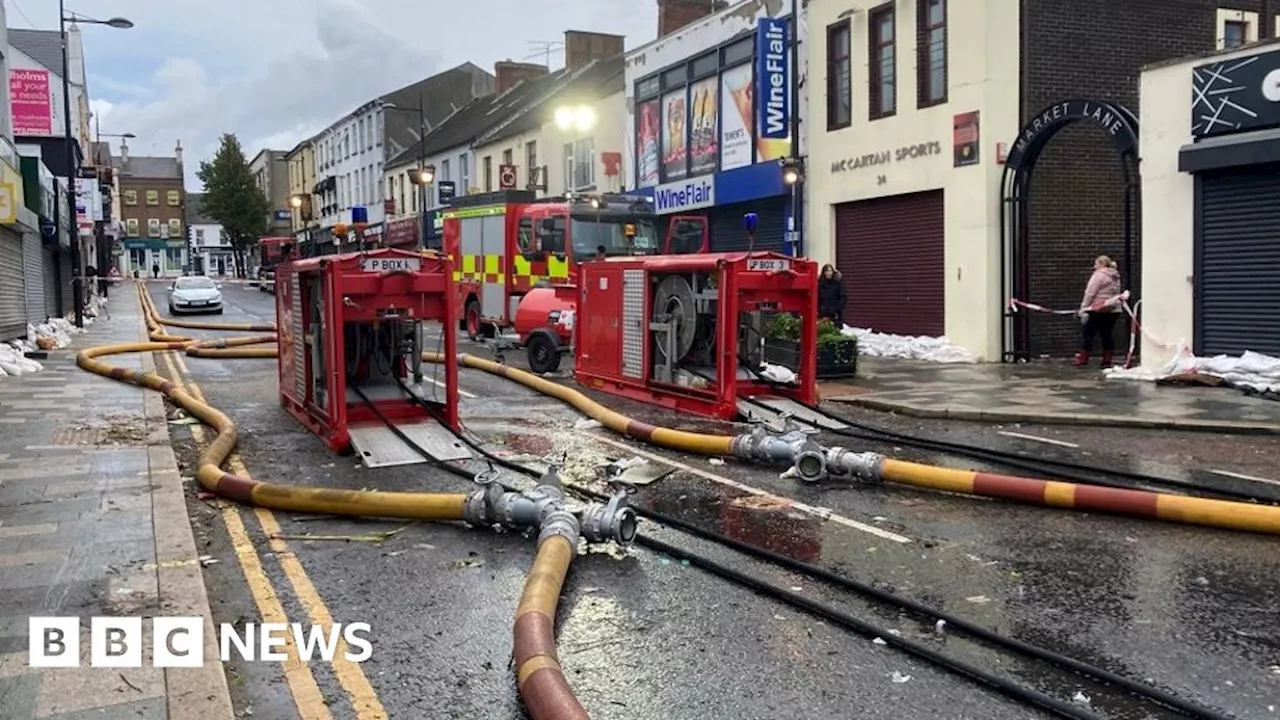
195, 294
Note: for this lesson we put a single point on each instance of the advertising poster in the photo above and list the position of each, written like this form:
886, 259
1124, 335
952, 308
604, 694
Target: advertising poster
647, 124
773, 89
31, 102
675, 121
704, 133
736, 126
965, 139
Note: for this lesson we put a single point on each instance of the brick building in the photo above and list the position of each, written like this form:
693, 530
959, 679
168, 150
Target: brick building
152, 213
922, 148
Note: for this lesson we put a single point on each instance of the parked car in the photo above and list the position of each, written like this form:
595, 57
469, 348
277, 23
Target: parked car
195, 294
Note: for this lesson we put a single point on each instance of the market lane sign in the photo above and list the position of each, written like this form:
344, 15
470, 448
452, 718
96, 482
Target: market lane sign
886, 157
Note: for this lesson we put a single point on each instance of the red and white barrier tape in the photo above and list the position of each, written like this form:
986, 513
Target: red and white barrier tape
1121, 301
1116, 301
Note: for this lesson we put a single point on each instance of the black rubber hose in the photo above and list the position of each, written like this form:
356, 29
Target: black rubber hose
964, 626
849, 622
976, 631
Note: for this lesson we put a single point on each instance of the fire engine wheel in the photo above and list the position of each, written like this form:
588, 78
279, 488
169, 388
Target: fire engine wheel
544, 356
472, 319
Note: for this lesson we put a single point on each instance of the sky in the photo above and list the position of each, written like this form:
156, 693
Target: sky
276, 71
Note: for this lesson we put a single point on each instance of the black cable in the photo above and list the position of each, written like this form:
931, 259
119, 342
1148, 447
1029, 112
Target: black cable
849, 622
976, 631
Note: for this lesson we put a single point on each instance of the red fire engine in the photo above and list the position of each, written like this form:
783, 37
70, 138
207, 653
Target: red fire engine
505, 244
270, 253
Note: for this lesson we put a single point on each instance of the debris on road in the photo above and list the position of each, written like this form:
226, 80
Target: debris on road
900, 678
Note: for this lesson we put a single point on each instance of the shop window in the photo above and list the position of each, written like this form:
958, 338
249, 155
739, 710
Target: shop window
739, 51
131, 225
153, 227
173, 258
931, 53
648, 88
675, 77
883, 62
174, 198
706, 65
153, 197
130, 197
1236, 28
839, 82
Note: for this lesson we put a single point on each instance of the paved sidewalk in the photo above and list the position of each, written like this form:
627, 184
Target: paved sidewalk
1049, 393
93, 522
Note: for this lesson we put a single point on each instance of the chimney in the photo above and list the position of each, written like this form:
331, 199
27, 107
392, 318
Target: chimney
177, 151
508, 73
124, 151
583, 48
675, 14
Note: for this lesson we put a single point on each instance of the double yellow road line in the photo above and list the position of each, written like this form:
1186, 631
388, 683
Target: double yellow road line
306, 693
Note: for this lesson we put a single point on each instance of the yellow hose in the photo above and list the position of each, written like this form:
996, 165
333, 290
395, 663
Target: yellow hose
539, 677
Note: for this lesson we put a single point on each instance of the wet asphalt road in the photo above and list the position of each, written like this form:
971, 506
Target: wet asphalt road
643, 636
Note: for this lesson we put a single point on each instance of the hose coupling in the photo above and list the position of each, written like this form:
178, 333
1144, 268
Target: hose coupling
546, 499
810, 461
761, 445
864, 465
614, 520
563, 523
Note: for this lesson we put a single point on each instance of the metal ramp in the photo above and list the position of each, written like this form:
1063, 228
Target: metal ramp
377, 446
778, 407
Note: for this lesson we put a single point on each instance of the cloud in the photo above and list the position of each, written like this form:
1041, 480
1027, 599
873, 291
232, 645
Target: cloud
276, 71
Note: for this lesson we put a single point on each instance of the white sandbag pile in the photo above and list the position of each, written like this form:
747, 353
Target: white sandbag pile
51, 335
906, 347
1250, 370
12, 361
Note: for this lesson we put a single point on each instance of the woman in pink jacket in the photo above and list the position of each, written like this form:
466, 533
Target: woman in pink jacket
1099, 311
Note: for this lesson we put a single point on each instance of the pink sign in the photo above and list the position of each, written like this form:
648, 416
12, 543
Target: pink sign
31, 100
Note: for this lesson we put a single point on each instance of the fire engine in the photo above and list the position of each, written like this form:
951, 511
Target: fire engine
506, 243
270, 253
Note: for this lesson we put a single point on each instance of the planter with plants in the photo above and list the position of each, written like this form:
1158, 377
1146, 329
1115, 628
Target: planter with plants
837, 353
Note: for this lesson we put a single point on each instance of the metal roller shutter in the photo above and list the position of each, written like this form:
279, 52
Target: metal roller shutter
1238, 264
50, 282
33, 272
729, 234
891, 253
13, 293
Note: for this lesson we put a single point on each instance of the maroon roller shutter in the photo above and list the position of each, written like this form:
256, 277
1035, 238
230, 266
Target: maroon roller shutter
890, 251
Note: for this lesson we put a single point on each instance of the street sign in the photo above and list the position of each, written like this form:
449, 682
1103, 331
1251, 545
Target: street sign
507, 177
447, 191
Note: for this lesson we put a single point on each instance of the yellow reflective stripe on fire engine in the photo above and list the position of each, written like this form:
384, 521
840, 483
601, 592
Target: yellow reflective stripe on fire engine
557, 268
486, 211
521, 266
491, 265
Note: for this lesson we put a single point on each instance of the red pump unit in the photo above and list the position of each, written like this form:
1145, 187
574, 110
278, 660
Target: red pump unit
352, 329
688, 332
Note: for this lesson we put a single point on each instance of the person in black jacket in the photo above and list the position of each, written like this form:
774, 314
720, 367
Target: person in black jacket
831, 295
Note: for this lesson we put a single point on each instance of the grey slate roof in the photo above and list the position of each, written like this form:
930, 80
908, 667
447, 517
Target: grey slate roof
141, 166
479, 116
43, 46
195, 210
594, 82
443, 94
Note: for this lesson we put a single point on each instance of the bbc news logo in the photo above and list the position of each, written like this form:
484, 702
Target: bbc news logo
178, 642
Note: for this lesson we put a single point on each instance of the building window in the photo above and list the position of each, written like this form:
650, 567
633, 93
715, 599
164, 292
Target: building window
931, 51
464, 175
200, 237
130, 197
130, 226
839, 82
579, 164
1234, 33
411, 190
174, 198
531, 159
175, 228
884, 62
508, 156
488, 173
444, 170
153, 197
153, 227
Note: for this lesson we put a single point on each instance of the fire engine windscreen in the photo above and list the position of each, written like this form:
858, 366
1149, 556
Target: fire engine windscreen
591, 231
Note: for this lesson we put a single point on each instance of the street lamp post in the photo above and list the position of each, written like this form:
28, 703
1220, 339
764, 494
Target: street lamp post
104, 250
296, 202
76, 270
424, 175
578, 119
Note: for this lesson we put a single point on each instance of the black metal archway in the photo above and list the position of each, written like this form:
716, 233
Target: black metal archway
1121, 127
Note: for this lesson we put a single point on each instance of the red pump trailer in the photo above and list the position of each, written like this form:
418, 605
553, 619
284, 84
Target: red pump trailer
685, 332
351, 332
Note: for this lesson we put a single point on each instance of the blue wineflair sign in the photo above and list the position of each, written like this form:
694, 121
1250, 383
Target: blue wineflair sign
773, 97
693, 194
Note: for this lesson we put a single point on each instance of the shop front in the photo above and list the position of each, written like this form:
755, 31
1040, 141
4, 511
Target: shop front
1210, 142
148, 254
712, 114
